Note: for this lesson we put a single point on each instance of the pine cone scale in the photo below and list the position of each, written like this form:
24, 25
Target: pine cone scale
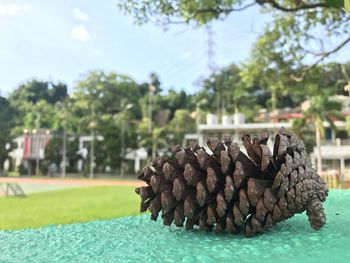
230, 191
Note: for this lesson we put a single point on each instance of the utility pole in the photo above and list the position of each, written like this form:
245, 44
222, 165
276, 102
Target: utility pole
64, 150
122, 152
37, 137
92, 126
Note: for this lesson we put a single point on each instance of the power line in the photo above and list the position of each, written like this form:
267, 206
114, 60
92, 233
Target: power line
176, 57
184, 64
180, 59
185, 69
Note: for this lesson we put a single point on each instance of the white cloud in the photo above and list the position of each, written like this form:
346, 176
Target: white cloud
14, 9
79, 15
79, 32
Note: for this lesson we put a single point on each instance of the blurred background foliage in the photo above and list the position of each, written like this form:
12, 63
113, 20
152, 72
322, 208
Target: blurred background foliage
287, 66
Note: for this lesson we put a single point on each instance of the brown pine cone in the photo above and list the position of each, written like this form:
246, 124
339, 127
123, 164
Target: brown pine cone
230, 191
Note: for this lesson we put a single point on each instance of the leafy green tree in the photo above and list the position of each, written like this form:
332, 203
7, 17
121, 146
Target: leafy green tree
169, 102
329, 78
320, 109
269, 70
103, 98
275, 88
157, 112
174, 100
72, 154
6, 122
225, 92
35, 103
34, 90
102, 94
181, 124
155, 83
152, 140
54, 152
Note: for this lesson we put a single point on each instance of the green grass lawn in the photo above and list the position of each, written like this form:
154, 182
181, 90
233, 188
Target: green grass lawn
68, 206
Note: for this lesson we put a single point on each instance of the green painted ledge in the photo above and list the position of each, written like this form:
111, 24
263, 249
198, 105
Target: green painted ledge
137, 239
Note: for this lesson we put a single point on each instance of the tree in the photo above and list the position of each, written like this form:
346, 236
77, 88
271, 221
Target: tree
34, 90
320, 109
157, 111
174, 100
295, 27
102, 93
35, 104
152, 140
226, 93
155, 82
102, 97
6, 122
275, 89
181, 124
54, 152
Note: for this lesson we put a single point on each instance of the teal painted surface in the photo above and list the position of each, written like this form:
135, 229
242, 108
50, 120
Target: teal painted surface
137, 239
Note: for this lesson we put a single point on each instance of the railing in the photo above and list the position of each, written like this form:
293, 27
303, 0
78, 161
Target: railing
331, 178
334, 180
13, 188
336, 142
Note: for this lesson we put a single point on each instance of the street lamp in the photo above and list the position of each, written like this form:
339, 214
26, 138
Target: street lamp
34, 131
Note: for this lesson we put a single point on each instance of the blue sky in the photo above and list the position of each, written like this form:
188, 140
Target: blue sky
63, 40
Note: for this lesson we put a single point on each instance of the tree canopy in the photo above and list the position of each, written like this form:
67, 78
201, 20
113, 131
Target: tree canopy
34, 104
6, 124
129, 114
36, 90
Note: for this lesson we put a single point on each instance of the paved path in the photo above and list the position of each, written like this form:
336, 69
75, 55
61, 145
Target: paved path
78, 182
33, 185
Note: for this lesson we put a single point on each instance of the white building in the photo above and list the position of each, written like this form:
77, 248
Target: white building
30, 149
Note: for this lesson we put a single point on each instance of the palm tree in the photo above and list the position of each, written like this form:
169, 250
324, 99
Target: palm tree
320, 109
